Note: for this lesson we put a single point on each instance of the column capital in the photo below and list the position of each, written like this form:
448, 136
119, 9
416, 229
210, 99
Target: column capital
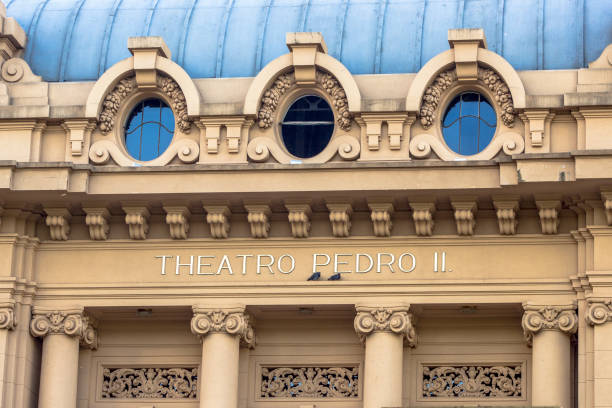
230, 320
537, 318
381, 318
599, 311
7, 316
70, 322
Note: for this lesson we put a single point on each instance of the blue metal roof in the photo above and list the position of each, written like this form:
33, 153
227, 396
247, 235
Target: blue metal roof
76, 40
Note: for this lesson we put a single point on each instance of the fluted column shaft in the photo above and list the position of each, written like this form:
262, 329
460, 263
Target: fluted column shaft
62, 331
384, 331
548, 328
221, 330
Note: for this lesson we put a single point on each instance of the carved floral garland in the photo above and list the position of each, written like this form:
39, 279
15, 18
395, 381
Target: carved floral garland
472, 381
434, 92
284, 82
309, 382
127, 86
139, 383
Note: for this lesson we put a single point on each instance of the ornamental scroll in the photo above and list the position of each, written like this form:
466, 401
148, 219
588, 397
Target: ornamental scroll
309, 382
476, 381
327, 82
150, 383
433, 94
127, 86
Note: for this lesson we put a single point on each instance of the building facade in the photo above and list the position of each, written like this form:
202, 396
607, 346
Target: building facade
330, 204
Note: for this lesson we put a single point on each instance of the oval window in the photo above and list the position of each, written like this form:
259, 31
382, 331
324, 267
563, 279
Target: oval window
149, 129
469, 123
308, 126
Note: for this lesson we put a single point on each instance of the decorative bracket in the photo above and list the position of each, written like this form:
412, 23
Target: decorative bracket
422, 214
537, 125
97, 221
79, 135
299, 218
465, 215
210, 133
381, 218
217, 217
548, 210
340, 219
507, 214
137, 219
58, 221
259, 218
177, 218
606, 197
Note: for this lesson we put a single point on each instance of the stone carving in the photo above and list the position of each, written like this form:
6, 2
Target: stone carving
230, 320
381, 218
340, 218
177, 218
421, 146
127, 86
346, 146
507, 216
149, 383
299, 218
333, 88
537, 318
89, 336
503, 97
434, 92
548, 210
422, 214
112, 103
58, 221
18, 70
284, 82
179, 105
599, 312
217, 218
186, 150
606, 196
465, 218
137, 219
475, 381
97, 221
309, 382
70, 322
385, 319
7, 316
259, 220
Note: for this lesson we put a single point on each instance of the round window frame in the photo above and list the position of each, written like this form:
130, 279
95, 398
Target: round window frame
448, 98
128, 106
289, 99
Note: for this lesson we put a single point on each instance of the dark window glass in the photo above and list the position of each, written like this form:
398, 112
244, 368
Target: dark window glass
469, 124
307, 126
149, 129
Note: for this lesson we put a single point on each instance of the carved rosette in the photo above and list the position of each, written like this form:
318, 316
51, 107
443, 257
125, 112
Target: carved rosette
444, 80
327, 82
599, 312
232, 321
7, 317
70, 322
392, 319
537, 318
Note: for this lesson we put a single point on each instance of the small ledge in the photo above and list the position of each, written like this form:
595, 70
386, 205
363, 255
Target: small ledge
588, 99
595, 152
529, 156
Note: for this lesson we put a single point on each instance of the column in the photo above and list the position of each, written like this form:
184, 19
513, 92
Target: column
222, 330
384, 330
599, 314
547, 329
62, 332
7, 323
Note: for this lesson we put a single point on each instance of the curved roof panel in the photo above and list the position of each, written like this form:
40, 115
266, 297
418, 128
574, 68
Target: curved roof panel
77, 40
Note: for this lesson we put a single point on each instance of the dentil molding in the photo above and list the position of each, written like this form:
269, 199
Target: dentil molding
537, 318
389, 319
230, 320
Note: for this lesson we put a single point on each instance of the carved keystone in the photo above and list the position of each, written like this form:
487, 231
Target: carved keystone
137, 219
599, 311
228, 320
507, 214
218, 218
71, 322
304, 48
58, 221
381, 218
422, 214
465, 215
340, 219
145, 51
259, 218
538, 317
466, 42
548, 210
606, 197
97, 221
177, 218
390, 319
7, 315
299, 218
